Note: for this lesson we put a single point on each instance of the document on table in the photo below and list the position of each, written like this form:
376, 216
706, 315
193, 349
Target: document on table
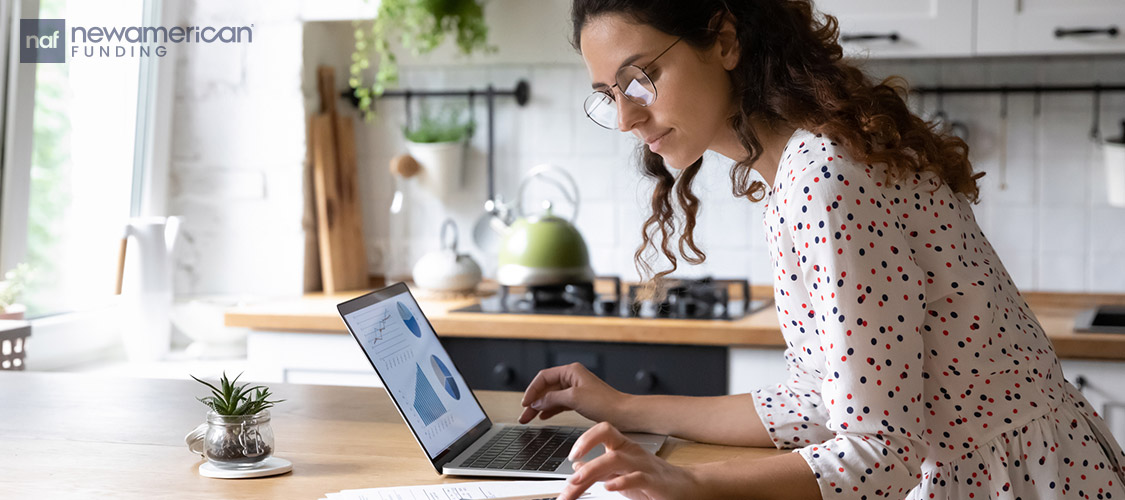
473, 490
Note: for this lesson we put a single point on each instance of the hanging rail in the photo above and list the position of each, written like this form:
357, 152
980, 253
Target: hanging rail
522, 93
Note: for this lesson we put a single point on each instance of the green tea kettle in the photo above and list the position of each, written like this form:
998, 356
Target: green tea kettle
543, 249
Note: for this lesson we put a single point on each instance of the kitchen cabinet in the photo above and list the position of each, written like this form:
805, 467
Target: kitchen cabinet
1008, 27
498, 364
904, 28
510, 364
966, 28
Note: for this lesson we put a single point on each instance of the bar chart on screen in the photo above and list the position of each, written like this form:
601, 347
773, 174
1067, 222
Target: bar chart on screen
426, 401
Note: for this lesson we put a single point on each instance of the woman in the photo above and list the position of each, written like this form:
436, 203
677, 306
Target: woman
915, 368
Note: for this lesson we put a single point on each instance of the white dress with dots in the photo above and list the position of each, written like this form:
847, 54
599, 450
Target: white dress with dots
915, 367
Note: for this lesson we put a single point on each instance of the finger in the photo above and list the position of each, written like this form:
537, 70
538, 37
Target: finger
632, 481
528, 415
602, 433
559, 377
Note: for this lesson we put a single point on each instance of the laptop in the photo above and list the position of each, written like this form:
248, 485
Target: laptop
439, 407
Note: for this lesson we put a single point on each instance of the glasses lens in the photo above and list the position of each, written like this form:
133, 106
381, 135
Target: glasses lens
636, 85
601, 109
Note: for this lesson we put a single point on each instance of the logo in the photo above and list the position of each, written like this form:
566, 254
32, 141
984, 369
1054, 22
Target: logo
42, 40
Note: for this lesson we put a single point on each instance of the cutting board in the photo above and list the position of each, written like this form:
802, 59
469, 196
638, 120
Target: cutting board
343, 261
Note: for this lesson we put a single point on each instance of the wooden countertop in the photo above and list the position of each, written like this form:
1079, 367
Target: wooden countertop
70, 435
317, 313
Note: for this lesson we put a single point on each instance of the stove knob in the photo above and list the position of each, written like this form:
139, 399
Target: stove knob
645, 380
608, 307
503, 374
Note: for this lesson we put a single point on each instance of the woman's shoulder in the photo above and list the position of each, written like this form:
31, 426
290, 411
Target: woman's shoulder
815, 164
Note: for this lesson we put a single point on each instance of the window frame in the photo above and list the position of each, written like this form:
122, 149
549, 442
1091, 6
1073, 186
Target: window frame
78, 337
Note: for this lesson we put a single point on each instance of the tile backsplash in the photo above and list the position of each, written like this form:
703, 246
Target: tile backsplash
1043, 201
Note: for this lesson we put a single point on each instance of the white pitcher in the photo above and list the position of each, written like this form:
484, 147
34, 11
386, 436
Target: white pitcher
146, 286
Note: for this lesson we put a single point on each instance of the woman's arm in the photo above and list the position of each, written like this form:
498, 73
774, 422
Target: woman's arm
628, 468
728, 420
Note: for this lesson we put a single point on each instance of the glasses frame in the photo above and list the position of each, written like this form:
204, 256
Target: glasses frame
608, 93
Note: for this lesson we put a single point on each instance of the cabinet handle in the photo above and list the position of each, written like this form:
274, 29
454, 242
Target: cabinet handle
503, 374
645, 380
1065, 32
863, 37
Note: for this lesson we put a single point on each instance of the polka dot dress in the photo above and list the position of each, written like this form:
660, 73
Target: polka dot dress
915, 367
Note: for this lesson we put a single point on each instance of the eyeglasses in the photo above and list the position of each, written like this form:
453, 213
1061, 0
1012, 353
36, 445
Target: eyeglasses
633, 83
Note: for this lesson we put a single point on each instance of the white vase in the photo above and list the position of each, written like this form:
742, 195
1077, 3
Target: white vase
147, 287
442, 164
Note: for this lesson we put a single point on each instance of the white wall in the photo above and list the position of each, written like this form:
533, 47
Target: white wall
239, 148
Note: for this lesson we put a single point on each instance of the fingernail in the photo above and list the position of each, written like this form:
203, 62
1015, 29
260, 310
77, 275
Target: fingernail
538, 404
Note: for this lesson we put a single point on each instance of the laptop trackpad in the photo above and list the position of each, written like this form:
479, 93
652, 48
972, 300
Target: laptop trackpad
650, 442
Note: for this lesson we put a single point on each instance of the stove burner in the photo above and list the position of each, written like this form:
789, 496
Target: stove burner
705, 298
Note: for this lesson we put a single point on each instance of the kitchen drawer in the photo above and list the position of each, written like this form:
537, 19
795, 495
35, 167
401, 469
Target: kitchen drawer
496, 364
506, 364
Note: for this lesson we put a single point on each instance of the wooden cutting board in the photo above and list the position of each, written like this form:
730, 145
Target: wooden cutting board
343, 261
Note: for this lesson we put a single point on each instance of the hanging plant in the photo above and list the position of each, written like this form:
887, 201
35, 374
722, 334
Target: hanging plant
422, 26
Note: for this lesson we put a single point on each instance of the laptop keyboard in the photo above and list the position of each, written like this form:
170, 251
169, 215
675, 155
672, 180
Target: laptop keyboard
525, 448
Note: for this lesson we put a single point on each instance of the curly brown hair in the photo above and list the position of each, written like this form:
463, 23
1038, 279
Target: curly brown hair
791, 71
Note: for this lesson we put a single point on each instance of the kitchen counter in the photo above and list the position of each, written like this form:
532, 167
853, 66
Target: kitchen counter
317, 313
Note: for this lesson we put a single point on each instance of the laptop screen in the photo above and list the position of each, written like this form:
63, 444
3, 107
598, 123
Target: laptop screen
415, 369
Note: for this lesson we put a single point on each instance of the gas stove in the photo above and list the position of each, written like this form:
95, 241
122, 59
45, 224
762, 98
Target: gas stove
700, 299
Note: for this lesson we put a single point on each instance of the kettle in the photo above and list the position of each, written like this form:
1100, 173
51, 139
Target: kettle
543, 249
446, 270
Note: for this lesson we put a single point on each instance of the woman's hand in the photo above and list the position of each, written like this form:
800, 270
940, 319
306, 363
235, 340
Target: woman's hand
626, 468
569, 387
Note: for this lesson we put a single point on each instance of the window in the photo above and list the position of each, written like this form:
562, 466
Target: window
76, 185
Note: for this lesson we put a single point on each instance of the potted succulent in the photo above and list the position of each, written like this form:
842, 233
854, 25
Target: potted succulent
438, 143
238, 434
421, 26
13, 285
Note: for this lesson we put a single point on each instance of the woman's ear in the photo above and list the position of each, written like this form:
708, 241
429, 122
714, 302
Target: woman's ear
729, 48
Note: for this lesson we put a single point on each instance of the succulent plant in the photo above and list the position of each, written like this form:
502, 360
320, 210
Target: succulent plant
233, 399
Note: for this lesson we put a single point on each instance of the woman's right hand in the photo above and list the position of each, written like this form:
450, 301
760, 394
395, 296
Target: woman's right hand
570, 387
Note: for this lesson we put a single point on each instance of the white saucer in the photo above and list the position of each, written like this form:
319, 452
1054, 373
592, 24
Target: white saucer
271, 466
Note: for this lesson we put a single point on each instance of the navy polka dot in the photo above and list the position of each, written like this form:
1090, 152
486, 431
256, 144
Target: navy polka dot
962, 395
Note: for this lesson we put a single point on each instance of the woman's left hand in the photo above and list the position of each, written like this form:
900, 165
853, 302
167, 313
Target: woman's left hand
626, 468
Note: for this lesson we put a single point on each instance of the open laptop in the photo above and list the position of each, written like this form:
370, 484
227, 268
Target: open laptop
440, 409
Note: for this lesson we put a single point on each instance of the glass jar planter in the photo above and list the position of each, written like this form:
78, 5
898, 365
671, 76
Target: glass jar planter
238, 442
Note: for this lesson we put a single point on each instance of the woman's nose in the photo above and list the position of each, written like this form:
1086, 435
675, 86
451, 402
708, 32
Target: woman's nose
629, 114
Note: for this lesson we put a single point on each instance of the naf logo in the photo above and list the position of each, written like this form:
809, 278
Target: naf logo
42, 40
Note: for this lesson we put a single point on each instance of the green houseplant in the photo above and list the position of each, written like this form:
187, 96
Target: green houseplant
14, 283
421, 26
238, 433
438, 141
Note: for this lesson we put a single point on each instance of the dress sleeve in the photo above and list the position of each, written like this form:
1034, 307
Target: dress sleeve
867, 297
793, 417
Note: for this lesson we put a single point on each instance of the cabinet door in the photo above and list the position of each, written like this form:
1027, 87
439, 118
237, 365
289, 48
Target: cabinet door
1008, 27
903, 28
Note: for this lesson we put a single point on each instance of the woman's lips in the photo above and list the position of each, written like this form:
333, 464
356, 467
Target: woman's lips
655, 142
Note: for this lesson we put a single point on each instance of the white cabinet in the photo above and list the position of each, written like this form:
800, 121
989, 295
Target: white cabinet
1103, 389
903, 28
1009, 27
964, 28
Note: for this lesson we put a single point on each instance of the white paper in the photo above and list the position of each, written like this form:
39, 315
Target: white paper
473, 490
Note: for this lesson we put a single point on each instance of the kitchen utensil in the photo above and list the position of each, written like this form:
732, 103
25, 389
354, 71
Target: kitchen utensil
543, 249
396, 256
446, 270
1113, 152
343, 259
145, 278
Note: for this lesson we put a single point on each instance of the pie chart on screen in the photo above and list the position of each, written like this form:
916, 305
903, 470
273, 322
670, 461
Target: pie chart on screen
442, 373
409, 321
